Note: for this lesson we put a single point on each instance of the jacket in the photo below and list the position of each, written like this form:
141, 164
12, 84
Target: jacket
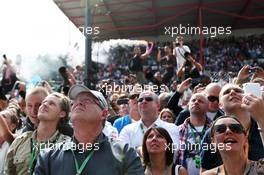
110, 157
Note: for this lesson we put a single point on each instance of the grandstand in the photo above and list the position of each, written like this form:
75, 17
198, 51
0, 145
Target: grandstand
149, 20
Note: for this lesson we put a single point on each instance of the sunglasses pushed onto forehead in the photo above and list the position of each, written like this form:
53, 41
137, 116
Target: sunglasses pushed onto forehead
235, 128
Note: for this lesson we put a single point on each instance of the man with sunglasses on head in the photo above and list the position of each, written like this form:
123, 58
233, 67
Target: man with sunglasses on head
148, 106
133, 115
232, 101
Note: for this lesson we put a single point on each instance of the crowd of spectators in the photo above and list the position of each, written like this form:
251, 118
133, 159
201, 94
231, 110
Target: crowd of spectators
222, 57
170, 124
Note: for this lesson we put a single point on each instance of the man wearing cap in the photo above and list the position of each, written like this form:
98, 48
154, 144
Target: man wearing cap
89, 149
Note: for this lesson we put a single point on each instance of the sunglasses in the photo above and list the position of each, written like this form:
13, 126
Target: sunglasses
146, 99
122, 101
132, 97
235, 128
213, 98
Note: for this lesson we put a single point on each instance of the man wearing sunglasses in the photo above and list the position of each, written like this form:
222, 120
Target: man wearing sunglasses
231, 96
212, 91
148, 106
133, 115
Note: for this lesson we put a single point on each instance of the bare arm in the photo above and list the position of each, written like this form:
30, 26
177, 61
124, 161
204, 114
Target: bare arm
180, 72
71, 78
183, 171
5, 132
255, 106
198, 66
148, 51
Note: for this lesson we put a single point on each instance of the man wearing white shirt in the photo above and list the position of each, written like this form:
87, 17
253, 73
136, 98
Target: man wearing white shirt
179, 52
148, 106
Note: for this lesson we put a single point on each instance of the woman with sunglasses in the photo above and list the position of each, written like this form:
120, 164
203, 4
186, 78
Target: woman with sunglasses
158, 153
230, 139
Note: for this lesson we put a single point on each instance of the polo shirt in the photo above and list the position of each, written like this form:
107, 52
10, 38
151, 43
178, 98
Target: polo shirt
120, 123
134, 132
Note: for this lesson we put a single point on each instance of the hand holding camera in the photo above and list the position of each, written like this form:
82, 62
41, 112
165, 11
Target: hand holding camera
244, 73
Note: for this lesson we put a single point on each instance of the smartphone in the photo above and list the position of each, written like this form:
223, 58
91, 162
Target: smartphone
252, 88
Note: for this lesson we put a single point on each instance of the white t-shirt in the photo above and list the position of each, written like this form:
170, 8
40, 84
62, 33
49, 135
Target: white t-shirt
211, 115
3, 150
191, 167
133, 133
179, 53
110, 131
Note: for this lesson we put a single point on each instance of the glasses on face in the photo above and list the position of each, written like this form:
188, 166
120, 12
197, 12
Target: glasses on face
132, 97
148, 99
235, 128
212, 98
87, 101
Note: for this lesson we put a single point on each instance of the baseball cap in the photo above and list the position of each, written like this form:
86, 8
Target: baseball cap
78, 88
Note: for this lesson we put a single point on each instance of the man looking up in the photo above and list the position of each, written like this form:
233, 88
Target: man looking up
89, 147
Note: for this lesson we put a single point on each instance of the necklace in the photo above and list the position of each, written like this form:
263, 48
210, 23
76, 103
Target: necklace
246, 170
165, 172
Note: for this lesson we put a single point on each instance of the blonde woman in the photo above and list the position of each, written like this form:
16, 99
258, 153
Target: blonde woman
167, 115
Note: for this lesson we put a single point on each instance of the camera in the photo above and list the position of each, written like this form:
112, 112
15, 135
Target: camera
63, 71
254, 70
187, 54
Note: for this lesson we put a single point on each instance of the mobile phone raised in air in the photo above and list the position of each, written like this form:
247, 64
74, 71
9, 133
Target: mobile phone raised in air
252, 88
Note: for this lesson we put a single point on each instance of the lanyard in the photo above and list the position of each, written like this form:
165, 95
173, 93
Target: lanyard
80, 169
193, 135
142, 129
33, 155
35, 147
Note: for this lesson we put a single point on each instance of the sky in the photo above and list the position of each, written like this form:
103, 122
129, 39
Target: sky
33, 27
30, 28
